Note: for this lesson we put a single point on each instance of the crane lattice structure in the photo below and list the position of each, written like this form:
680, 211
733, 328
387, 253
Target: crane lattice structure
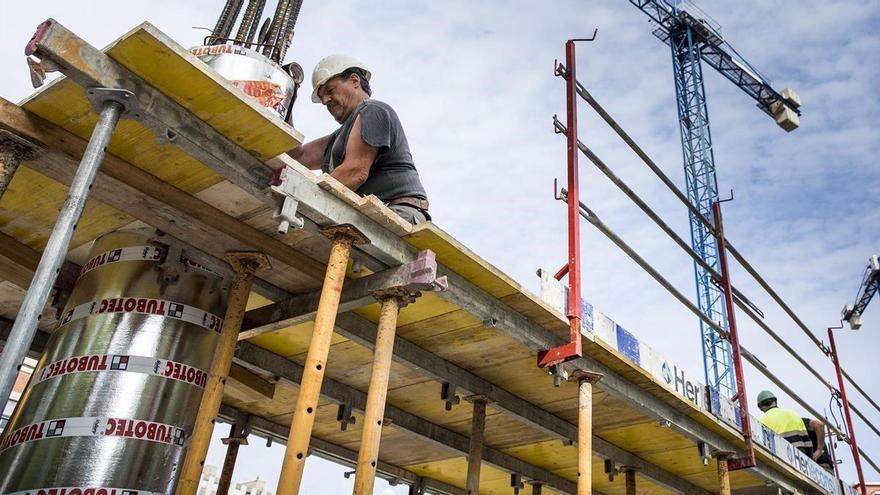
694, 37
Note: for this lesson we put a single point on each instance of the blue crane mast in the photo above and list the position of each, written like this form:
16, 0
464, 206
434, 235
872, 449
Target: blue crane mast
694, 37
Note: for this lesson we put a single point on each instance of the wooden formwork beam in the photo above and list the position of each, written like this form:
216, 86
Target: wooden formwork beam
475, 450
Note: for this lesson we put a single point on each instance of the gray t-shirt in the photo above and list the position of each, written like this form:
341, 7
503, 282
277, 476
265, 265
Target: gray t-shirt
393, 173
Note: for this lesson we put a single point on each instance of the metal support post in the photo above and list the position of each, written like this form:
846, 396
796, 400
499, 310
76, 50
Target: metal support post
630, 476
343, 236
368, 454
748, 460
112, 104
846, 414
723, 473
245, 265
475, 451
585, 380
238, 433
537, 489
13, 151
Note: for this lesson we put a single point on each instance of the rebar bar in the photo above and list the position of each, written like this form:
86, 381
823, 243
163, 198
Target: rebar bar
285, 38
226, 21
250, 18
275, 27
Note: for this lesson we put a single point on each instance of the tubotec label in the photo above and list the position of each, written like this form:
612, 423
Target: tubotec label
84, 490
95, 427
120, 362
146, 306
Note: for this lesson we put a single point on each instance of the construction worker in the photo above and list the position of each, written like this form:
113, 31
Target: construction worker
816, 432
786, 423
369, 153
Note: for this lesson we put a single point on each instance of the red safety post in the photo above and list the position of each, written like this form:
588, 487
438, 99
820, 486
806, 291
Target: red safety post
748, 460
849, 424
572, 349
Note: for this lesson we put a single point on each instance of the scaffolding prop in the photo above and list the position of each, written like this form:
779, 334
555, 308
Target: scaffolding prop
246, 265
585, 380
571, 350
111, 105
342, 237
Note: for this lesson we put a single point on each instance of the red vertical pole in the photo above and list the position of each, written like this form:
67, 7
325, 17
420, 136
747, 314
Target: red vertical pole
574, 214
849, 424
742, 397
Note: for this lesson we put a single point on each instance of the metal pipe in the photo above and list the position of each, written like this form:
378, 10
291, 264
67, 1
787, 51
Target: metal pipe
831, 437
31, 309
587, 97
475, 450
383, 351
246, 265
630, 479
741, 395
289, 481
723, 476
849, 423
232, 445
585, 382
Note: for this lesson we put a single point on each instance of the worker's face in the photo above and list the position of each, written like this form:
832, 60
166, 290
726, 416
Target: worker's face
341, 95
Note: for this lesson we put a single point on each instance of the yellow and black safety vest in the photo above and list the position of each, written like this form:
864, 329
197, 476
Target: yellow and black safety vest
790, 426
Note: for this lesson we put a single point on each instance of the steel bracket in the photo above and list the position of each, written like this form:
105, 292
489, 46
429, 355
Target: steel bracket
289, 203
345, 417
99, 97
418, 275
447, 394
516, 482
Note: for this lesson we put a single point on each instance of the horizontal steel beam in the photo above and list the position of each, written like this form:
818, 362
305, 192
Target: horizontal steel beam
249, 355
332, 452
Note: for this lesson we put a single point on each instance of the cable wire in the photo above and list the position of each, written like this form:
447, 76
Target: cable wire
587, 97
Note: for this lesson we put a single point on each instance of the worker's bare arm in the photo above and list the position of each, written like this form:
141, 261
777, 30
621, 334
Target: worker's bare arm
819, 428
359, 157
311, 154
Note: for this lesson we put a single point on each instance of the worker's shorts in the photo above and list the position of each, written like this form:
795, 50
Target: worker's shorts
411, 214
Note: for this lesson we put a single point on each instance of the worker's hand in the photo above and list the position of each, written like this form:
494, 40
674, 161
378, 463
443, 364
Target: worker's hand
817, 454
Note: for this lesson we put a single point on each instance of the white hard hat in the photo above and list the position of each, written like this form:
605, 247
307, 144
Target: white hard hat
330, 67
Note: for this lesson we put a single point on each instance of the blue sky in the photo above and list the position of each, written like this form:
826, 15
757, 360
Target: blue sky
473, 85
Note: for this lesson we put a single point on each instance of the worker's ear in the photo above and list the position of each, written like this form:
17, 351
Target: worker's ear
355, 79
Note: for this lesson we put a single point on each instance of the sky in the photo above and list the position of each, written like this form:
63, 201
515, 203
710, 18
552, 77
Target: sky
473, 85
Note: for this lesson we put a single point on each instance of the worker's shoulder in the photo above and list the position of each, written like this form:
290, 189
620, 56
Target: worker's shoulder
378, 105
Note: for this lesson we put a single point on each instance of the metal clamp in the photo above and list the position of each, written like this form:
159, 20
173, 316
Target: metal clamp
447, 394
289, 204
345, 416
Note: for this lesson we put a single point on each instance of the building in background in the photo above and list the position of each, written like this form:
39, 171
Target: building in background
211, 478
24, 374
871, 488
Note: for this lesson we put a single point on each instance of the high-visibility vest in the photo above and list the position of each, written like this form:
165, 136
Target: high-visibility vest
790, 426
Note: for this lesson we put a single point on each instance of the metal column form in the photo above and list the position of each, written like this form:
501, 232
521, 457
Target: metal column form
343, 237
368, 454
748, 460
246, 265
112, 104
475, 451
849, 424
702, 192
114, 396
585, 381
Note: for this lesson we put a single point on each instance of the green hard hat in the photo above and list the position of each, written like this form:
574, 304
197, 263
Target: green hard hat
765, 395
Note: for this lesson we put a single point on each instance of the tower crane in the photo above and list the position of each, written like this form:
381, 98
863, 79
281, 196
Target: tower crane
852, 313
695, 38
